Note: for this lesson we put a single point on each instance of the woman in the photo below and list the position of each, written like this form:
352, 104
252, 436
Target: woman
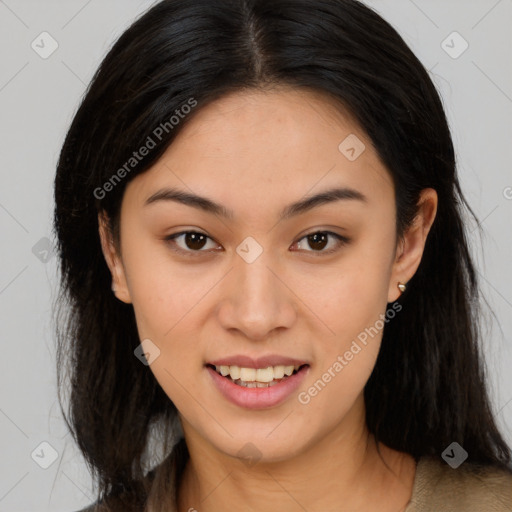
261, 240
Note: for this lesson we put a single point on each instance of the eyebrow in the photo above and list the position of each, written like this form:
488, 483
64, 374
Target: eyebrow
302, 206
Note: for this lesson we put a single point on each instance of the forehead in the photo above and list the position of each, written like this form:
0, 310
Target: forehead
256, 148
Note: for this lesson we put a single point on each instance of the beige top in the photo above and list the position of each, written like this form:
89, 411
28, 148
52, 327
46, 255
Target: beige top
437, 488
469, 488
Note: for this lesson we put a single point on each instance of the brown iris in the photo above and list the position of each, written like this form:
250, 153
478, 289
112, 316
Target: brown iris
318, 240
195, 241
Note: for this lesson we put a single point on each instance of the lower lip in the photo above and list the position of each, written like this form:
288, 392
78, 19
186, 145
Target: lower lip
258, 398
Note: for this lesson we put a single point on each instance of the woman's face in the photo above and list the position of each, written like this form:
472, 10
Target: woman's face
257, 282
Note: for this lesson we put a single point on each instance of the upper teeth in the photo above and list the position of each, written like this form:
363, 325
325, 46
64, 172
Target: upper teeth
256, 374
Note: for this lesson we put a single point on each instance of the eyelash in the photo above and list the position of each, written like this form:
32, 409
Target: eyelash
341, 241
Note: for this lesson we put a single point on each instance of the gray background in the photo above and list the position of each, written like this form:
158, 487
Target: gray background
38, 98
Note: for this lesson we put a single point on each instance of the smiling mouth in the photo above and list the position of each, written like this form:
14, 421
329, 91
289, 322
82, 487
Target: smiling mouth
257, 377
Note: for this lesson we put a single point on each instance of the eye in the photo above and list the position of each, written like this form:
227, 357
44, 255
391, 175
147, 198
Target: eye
194, 242
320, 239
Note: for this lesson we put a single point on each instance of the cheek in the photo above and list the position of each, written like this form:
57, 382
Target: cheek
164, 302
349, 297
352, 303
163, 294
346, 356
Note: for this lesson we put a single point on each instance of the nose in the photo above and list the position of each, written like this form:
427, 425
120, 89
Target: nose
257, 300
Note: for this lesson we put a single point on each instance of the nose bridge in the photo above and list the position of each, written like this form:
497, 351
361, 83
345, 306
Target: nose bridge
257, 284
253, 263
258, 301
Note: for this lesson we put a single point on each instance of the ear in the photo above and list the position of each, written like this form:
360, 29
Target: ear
411, 246
113, 259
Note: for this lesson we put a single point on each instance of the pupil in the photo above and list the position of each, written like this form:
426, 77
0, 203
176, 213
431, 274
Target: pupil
192, 238
315, 239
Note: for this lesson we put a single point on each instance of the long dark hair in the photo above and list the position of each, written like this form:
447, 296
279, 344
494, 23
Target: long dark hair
428, 387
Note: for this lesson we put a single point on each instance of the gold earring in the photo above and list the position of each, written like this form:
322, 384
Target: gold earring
402, 287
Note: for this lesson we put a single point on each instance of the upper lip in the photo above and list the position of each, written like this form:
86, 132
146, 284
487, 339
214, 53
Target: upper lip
259, 362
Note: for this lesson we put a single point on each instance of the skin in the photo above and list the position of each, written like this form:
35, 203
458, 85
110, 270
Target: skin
256, 152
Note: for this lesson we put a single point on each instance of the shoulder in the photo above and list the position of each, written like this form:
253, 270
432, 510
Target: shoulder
469, 488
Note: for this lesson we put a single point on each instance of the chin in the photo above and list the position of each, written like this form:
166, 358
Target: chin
253, 447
